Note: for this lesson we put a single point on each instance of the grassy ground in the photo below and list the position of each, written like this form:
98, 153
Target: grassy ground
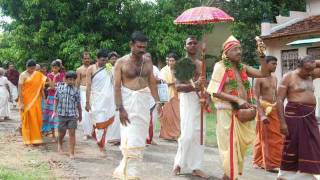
210, 139
33, 173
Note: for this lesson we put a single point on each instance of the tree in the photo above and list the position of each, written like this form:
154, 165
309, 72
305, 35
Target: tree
248, 16
50, 29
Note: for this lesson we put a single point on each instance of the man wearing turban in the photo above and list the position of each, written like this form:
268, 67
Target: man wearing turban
232, 92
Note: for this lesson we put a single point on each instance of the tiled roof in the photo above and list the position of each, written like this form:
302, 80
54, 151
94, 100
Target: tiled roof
308, 25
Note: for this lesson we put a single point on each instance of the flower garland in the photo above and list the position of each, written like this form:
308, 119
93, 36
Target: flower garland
108, 67
233, 84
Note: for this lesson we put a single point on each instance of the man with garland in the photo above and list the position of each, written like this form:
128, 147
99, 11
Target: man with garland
232, 94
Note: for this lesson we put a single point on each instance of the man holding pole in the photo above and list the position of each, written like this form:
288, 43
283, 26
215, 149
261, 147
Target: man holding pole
190, 150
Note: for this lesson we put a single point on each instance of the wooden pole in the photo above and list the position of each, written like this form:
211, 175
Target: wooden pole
202, 93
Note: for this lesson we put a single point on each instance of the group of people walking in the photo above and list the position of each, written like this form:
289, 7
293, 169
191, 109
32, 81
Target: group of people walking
117, 101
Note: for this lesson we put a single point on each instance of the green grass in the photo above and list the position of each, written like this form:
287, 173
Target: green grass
211, 122
40, 172
211, 139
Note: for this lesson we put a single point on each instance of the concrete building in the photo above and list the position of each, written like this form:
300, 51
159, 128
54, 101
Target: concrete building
293, 37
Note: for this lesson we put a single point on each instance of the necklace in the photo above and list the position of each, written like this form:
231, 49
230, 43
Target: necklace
140, 79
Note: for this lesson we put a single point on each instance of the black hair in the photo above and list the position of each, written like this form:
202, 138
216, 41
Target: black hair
102, 53
173, 55
56, 63
113, 54
43, 65
191, 37
305, 59
84, 53
270, 58
71, 75
31, 63
8, 64
138, 36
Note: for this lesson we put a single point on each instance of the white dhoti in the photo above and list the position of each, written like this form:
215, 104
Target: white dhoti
4, 102
14, 91
4, 97
133, 136
86, 122
190, 153
102, 105
113, 133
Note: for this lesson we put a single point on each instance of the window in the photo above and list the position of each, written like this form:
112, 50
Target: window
314, 51
289, 59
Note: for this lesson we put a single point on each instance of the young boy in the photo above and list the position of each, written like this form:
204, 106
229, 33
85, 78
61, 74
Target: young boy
67, 103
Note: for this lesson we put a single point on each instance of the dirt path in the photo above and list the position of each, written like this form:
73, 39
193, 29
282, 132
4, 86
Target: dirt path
158, 160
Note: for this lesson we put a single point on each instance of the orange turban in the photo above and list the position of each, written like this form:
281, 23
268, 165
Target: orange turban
230, 43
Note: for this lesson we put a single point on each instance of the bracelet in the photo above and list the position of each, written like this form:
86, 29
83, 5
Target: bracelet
158, 102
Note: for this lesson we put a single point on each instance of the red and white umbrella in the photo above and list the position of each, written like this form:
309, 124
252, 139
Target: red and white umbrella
203, 15
198, 16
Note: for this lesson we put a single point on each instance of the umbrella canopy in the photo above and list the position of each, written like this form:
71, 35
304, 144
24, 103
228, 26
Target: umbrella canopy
203, 15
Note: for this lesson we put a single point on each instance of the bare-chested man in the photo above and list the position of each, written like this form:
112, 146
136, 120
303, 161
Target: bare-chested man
113, 134
190, 151
134, 84
233, 102
100, 98
82, 82
301, 151
269, 140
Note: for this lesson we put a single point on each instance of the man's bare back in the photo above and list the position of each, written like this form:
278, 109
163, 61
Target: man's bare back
299, 89
134, 75
82, 74
267, 88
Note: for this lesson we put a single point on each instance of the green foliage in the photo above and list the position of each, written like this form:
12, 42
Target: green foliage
50, 29
248, 16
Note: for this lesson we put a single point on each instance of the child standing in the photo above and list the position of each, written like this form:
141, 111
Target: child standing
50, 120
68, 109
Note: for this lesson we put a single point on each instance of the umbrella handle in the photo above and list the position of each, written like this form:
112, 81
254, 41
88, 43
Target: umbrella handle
202, 92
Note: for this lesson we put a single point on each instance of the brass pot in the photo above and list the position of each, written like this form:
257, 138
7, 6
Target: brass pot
245, 115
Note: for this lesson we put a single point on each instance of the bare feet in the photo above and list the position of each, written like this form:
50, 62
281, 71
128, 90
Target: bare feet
115, 143
256, 166
85, 137
200, 173
71, 156
225, 177
274, 170
153, 142
176, 170
103, 152
6, 118
60, 150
